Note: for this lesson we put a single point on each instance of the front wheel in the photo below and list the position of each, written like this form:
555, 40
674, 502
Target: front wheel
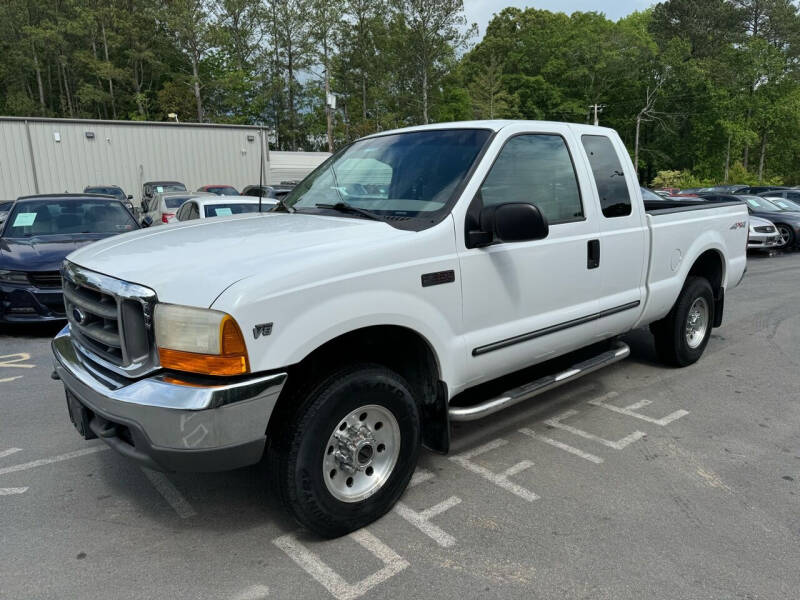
787, 236
682, 336
348, 449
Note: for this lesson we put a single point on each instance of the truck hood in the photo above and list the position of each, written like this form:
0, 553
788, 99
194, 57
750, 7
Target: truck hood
194, 262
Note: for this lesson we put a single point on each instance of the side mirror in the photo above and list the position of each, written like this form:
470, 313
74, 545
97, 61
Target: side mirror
512, 222
147, 221
130, 196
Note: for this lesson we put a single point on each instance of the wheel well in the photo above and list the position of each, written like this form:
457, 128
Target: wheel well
710, 266
398, 348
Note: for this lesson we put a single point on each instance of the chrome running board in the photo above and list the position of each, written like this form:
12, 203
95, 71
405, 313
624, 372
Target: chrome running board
618, 351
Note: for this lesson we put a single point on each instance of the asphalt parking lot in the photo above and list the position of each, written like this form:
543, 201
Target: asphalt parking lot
635, 482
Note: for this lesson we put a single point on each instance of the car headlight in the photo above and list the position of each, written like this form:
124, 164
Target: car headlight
13, 276
199, 340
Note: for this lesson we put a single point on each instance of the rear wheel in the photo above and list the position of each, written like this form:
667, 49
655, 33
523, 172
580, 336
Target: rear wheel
347, 450
682, 336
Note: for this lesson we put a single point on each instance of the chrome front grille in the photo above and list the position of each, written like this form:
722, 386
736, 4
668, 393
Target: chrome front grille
111, 320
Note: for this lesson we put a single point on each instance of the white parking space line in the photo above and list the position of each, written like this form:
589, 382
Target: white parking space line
7, 379
9, 452
170, 493
499, 479
312, 564
53, 459
630, 411
616, 444
420, 476
421, 520
12, 491
562, 446
16, 360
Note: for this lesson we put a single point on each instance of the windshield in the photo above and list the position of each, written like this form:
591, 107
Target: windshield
175, 201
224, 210
169, 187
784, 204
107, 191
405, 174
222, 190
648, 195
757, 203
59, 217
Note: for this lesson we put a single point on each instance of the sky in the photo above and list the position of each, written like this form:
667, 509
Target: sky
480, 11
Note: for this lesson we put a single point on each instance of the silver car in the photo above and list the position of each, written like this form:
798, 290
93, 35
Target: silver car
763, 235
162, 207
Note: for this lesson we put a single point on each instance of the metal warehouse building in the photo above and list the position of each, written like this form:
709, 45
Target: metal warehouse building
66, 155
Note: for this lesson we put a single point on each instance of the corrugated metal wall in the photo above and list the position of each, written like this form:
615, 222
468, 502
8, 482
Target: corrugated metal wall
127, 154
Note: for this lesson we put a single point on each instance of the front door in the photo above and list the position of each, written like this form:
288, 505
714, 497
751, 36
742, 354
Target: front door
524, 302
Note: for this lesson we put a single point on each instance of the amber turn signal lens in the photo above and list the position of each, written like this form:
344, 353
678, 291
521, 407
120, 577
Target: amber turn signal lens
231, 340
205, 364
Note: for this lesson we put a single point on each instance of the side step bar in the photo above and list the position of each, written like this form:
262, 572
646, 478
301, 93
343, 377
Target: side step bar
618, 351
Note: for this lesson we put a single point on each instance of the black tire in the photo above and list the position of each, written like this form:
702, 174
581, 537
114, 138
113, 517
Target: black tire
786, 230
670, 332
298, 444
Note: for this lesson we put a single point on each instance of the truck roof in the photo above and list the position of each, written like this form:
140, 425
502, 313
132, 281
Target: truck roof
493, 124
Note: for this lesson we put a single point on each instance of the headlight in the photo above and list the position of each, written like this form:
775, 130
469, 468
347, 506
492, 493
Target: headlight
199, 340
13, 276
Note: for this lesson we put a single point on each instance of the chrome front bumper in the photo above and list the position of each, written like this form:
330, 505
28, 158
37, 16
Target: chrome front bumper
172, 421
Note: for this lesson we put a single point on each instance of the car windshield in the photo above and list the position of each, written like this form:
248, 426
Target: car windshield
648, 195
169, 187
782, 202
107, 191
59, 217
758, 203
175, 201
404, 174
222, 190
231, 208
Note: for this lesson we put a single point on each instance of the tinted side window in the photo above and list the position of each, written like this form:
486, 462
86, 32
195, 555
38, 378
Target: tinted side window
535, 169
608, 175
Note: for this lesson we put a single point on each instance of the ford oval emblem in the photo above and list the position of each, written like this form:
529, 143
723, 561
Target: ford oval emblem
79, 315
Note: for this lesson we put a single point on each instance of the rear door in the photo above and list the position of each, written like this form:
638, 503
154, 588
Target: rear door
524, 302
621, 249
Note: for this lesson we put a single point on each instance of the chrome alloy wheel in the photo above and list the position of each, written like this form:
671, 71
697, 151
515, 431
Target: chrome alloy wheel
786, 235
697, 323
361, 453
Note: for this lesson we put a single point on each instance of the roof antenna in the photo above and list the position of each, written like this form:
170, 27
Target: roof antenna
261, 167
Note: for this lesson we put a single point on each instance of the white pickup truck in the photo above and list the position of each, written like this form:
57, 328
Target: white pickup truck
337, 332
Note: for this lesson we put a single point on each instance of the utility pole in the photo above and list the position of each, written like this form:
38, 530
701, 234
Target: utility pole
598, 108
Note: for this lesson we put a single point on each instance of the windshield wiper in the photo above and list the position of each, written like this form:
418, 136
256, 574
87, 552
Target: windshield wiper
284, 206
349, 208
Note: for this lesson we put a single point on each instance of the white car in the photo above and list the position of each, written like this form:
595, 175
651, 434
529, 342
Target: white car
205, 207
333, 331
163, 206
762, 235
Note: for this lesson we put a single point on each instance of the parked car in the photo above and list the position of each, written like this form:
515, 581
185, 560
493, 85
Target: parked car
277, 192
38, 233
162, 208
205, 207
334, 334
735, 188
793, 195
763, 235
787, 222
755, 190
151, 188
651, 199
5, 207
219, 190
111, 190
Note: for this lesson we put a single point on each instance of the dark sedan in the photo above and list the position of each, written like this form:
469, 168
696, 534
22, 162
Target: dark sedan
38, 234
787, 221
111, 190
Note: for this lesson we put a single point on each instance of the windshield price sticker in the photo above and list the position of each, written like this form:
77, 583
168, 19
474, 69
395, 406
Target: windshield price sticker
159, 189
223, 212
24, 219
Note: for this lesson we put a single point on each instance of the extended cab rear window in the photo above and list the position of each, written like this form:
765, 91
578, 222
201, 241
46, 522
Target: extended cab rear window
612, 189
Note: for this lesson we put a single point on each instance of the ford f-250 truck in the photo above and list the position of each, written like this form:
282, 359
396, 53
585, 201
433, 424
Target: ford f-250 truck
333, 332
